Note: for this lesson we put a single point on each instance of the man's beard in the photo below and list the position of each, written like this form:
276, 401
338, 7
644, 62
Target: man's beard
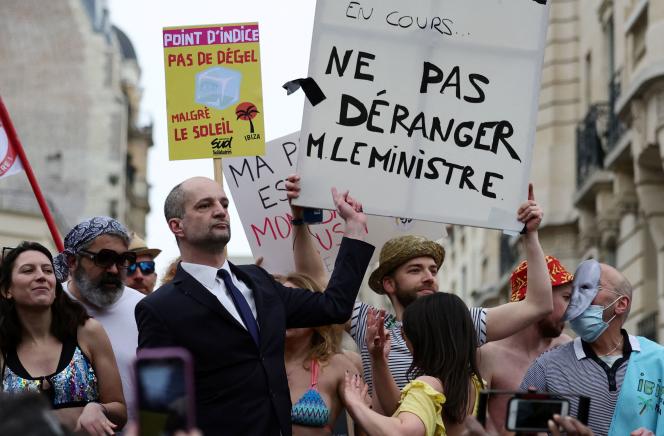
96, 293
548, 329
214, 243
405, 296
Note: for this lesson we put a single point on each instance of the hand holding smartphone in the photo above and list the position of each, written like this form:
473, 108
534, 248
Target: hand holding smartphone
533, 414
165, 391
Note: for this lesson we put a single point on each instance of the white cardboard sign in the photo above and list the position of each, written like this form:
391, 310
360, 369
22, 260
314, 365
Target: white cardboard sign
258, 187
430, 109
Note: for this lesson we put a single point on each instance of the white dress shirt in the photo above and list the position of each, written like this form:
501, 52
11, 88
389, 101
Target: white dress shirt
207, 276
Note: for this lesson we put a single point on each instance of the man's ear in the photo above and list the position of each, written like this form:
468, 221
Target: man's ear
622, 305
71, 261
175, 225
389, 285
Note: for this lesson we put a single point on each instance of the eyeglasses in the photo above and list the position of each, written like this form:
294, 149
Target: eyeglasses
104, 258
146, 267
602, 288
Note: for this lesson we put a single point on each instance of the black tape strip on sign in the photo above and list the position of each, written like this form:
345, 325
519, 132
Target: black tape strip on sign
311, 89
542, 2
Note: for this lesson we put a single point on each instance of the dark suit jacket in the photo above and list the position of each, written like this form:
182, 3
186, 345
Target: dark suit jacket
241, 389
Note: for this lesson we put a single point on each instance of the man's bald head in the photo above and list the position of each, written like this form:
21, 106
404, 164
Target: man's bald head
611, 278
175, 201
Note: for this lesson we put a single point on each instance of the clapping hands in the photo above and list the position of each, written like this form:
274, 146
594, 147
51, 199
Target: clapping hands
377, 338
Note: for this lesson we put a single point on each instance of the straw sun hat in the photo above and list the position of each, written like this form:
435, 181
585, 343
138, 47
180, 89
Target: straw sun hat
139, 246
399, 250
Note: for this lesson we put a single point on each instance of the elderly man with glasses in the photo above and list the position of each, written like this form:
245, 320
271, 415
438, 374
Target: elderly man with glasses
141, 275
95, 257
622, 374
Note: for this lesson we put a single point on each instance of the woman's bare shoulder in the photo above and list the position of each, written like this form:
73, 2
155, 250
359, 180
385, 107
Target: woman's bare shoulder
91, 334
431, 381
343, 362
91, 327
347, 359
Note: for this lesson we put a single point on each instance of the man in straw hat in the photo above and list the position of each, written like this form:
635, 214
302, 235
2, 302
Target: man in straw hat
141, 275
408, 269
521, 349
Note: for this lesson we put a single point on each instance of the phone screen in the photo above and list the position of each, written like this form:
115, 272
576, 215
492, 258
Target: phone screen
534, 415
162, 396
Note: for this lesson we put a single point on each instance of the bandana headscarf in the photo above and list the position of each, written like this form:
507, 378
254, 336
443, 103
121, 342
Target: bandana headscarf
557, 273
83, 233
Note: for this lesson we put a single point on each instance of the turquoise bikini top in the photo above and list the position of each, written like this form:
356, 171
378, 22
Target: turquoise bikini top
310, 410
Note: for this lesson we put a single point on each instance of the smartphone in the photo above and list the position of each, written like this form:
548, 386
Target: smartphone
312, 216
164, 391
532, 415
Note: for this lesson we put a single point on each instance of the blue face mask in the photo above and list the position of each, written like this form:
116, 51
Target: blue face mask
590, 324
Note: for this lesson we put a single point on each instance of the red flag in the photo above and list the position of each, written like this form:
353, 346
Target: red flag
14, 160
9, 160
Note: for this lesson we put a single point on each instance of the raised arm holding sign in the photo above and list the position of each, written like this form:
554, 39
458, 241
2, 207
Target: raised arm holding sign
434, 101
268, 221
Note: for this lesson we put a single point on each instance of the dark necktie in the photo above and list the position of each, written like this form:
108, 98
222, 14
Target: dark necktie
241, 305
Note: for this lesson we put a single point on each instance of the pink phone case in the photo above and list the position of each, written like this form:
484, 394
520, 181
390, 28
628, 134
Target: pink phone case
169, 353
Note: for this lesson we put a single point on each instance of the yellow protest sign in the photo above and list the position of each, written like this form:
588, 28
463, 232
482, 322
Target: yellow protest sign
214, 99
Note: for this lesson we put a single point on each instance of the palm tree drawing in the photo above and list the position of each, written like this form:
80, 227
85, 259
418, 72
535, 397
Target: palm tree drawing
247, 111
646, 403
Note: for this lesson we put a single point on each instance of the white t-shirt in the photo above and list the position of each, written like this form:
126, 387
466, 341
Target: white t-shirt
120, 325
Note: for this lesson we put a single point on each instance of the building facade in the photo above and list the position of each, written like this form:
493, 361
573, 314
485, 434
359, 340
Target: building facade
70, 82
598, 154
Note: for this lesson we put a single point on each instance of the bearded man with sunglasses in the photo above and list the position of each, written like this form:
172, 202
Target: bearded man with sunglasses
141, 274
95, 256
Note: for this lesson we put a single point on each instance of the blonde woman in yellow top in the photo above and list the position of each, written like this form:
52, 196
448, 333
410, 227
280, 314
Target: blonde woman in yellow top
439, 332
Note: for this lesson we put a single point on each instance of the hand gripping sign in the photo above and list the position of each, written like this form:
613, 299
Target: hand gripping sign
429, 107
257, 184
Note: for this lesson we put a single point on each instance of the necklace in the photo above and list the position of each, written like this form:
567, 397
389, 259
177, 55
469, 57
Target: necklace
613, 349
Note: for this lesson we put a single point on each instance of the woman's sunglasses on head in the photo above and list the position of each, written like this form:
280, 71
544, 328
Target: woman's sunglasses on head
6, 251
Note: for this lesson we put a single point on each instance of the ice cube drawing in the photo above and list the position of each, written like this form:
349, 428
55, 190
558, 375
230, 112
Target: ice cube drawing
218, 87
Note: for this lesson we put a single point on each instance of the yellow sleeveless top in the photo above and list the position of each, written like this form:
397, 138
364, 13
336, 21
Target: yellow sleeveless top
420, 399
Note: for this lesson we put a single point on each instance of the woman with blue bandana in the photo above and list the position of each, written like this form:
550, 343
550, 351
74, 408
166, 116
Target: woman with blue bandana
51, 346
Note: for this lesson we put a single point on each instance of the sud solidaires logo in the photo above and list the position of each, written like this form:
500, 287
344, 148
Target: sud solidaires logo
244, 111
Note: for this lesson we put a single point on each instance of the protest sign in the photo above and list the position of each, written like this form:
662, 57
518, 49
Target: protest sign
214, 98
430, 108
257, 183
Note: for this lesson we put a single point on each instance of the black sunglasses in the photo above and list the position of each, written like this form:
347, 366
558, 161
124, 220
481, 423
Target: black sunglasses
104, 258
146, 267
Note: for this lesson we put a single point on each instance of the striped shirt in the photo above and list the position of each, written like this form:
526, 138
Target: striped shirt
400, 358
575, 369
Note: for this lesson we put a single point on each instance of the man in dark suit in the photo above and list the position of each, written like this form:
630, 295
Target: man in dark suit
233, 319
